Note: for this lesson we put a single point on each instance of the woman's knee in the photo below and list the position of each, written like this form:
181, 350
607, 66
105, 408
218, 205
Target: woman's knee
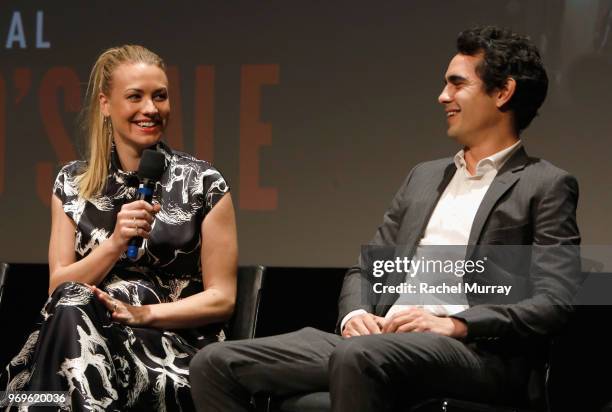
68, 295
70, 289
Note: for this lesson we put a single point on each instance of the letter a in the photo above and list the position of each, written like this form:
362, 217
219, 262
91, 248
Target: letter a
16, 33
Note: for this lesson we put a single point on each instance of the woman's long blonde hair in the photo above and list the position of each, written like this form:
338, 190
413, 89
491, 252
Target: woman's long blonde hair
98, 129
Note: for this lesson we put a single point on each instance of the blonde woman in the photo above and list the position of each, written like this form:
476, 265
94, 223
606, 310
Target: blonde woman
119, 334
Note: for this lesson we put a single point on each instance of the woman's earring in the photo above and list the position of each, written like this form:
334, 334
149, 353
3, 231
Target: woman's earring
109, 127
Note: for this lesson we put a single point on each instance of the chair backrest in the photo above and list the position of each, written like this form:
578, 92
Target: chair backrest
4, 267
243, 323
580, 356
294, 298
24, 288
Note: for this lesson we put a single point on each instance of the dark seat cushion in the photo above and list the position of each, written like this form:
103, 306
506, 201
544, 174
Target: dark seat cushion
320, 402
309, 402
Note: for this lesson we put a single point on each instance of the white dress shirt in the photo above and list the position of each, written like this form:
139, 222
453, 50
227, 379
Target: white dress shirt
453, 216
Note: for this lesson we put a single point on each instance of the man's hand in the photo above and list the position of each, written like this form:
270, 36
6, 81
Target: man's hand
419, 320
364, 324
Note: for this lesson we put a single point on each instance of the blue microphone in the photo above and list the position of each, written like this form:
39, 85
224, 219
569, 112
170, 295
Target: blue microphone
151, 168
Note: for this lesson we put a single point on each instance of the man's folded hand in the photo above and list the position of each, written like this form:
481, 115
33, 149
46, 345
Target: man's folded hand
363, 324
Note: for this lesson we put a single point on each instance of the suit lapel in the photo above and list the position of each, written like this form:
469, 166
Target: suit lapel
509, 174
418, 221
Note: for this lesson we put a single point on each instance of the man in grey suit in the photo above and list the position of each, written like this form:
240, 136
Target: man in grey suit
388, 354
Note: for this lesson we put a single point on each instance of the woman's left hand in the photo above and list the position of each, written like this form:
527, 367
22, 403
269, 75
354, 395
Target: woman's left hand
123, 312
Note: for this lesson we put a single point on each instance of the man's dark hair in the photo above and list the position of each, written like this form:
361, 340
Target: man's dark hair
508, 54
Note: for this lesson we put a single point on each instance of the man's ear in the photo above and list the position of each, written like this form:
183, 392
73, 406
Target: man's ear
104, 104
505, 93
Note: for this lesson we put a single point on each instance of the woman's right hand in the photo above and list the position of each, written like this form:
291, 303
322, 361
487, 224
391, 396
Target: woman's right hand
134, 219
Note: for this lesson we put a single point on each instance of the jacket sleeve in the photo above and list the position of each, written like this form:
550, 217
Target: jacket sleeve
554, 273
351, 297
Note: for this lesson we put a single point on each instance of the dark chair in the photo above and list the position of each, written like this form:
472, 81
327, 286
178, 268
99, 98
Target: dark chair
24, 290
314, 305
310, 402
320, 402
456, 405
243, 323
578, 356
27, 285
4, 268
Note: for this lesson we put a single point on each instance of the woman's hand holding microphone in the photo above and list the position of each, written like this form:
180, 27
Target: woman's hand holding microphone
134, 219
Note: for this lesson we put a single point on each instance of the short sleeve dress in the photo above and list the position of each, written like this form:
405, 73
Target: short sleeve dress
105, 365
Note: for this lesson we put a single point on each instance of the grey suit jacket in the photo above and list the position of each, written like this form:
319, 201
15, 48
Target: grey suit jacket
530, 202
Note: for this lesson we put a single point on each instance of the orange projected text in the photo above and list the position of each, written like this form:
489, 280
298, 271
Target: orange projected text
253, 135
205, 112
56, 82
57, 95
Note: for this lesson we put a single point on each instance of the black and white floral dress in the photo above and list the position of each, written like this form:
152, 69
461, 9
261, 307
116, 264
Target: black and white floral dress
104, 365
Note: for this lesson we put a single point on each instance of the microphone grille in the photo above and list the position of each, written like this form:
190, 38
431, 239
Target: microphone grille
152, 165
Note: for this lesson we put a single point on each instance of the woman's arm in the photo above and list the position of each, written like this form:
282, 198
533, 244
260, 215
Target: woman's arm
92, 269
219, 263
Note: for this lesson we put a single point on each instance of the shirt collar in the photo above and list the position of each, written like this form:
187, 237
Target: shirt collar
115, 164
495, 161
